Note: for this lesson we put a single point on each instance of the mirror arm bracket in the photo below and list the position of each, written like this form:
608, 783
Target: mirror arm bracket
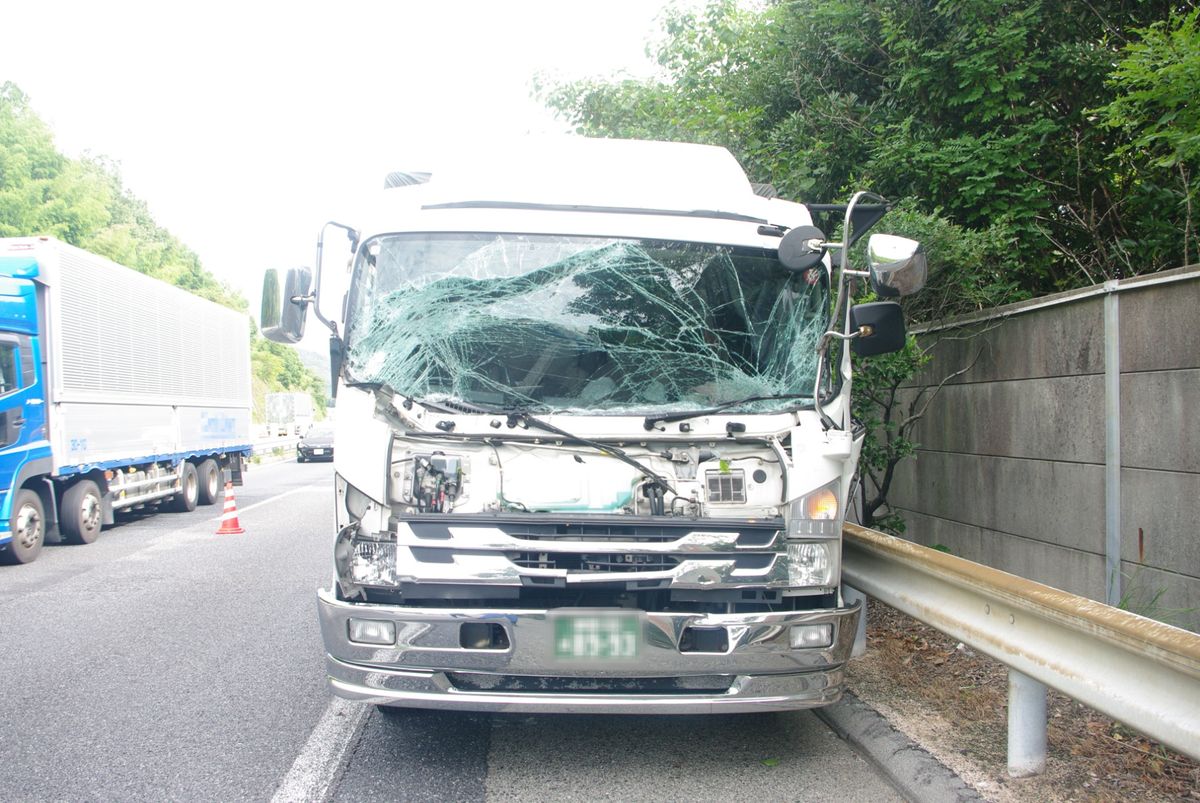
862, 331
353, 236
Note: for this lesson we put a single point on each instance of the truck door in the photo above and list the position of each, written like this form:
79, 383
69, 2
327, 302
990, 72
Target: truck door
24, 448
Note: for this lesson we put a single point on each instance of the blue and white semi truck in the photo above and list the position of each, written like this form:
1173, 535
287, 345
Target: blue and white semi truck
117, 391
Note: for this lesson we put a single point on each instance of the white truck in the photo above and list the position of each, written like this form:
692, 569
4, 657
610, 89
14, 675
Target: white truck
289, 413
117, 391
594, 443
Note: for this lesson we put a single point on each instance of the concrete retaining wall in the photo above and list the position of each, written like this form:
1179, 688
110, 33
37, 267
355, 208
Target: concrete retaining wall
1011, 467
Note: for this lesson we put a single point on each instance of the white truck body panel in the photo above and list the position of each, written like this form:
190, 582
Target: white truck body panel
138, 369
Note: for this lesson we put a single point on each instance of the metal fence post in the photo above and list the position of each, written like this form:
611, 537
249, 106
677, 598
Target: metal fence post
850, 596
1112, 444
1026, 725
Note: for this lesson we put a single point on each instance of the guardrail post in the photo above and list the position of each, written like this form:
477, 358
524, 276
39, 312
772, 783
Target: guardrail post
850, 596
1026, 725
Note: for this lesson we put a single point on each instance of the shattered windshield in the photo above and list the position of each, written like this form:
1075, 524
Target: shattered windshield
547, 322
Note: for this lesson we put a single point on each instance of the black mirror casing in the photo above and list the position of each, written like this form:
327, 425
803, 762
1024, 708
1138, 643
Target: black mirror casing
282, 317
795, 251
885, 322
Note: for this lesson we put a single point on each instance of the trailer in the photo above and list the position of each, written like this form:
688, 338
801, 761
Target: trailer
117, 392
289, 413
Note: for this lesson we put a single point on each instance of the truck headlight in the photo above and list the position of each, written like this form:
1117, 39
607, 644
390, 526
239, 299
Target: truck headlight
373, 563
816, 513
362, 560
811, 563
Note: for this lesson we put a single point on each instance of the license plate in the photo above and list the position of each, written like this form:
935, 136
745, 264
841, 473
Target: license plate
597, 636
318, 451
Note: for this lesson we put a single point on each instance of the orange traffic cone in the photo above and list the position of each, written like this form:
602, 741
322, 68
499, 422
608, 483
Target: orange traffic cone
229, 519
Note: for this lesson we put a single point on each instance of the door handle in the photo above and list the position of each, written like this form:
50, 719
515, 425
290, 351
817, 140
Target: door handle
18, 422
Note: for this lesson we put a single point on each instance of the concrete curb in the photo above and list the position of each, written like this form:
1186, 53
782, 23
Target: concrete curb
911, 769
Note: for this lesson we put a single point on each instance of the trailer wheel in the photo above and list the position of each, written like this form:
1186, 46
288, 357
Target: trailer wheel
189, 489
28, 528
80, 513
210, 481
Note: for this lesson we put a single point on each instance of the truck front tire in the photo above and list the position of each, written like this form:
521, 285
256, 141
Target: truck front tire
28, 528
189, 489
210, 481
80, 513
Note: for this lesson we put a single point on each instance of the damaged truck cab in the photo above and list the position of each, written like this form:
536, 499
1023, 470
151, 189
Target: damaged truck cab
594, 445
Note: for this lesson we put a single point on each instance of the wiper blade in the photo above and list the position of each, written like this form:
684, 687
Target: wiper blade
667, 418
516, 416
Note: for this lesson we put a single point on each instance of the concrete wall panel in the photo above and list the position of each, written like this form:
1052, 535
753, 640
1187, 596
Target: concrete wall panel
1165, 506
1166, 596
962, 540
1160, 420
1157, 327
1050, 419
1029, 498
1059, 341
1069, 569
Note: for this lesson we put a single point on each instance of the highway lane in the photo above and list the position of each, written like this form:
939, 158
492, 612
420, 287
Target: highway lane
431, 756
165, 662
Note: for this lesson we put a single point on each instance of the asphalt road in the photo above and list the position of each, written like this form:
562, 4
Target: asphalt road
165, 662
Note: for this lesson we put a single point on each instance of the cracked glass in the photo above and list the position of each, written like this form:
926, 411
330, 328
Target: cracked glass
542, 322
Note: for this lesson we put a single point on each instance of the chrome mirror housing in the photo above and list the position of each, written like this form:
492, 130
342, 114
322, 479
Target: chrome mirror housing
898, 266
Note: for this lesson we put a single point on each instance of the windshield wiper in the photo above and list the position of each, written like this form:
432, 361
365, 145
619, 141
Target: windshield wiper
522, 417
667, 418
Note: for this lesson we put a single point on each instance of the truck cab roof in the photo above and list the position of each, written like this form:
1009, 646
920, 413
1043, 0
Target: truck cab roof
587, 186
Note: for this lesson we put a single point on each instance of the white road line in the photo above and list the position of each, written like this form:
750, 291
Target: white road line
315, 769
276, 498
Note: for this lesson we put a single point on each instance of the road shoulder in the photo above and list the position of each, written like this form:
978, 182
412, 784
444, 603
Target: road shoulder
910, 768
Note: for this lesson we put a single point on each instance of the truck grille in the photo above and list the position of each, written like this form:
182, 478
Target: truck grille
527, 550
612, 562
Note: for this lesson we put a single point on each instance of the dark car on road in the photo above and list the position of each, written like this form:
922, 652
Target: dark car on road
316, 445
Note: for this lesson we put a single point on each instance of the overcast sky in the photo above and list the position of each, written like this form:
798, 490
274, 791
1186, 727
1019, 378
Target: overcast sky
247, 125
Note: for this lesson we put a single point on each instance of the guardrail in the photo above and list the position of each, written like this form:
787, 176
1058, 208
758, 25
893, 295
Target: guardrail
267, 445
1143, 673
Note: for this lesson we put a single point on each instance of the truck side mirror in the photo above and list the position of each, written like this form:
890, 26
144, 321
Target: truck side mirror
879, 327
284, 309
898, 265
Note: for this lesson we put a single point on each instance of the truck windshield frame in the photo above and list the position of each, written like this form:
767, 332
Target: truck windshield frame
583, 324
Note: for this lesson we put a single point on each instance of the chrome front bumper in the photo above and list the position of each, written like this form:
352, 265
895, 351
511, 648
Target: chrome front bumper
427, 667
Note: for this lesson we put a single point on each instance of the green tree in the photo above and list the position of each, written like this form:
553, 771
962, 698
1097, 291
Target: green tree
1155, 109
